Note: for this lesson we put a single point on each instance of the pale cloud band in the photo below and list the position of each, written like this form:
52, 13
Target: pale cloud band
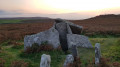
59, 8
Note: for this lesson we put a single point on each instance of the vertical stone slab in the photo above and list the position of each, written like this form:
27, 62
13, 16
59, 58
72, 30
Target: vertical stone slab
74, 51
69, 60
45, 60
61, 27
97, 53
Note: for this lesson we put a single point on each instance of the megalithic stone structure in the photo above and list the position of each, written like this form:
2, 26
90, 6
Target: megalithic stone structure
62, 33
97, 53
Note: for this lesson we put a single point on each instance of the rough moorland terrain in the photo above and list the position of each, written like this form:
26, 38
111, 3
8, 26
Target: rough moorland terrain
103, 25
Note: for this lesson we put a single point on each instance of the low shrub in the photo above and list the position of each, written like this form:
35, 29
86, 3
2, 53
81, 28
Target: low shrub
16, 45
104, 62
76, 63
2, 62
116, 64
0, 48
36, 48
19, 63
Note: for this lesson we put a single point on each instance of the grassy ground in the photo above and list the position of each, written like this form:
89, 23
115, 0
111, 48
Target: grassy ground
110, 48
9, 54
9, 21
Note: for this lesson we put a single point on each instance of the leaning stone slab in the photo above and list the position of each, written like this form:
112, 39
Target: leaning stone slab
69, 60
78, 40
45, 60
97, 53
51, 36
75, 29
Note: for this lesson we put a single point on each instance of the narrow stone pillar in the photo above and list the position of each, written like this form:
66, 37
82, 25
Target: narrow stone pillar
45, 60
97, 53
69, 60
74, 51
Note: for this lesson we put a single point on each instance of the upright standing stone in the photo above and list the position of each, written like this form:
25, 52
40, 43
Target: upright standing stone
97, 53
61, 27
74, 51
45, 61
69, 60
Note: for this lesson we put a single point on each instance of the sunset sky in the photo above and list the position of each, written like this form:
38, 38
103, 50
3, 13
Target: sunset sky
68, 9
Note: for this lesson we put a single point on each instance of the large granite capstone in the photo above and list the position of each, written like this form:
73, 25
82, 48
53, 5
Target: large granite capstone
51, 36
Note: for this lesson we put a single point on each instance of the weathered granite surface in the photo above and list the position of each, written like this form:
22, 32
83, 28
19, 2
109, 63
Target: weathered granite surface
78, 40
62, 29
74, 51
69, 60
62, 33
97, 53
75, 29
51, 36
45, 60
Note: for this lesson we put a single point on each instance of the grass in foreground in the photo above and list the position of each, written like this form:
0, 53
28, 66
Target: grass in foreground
110, 48
10, 54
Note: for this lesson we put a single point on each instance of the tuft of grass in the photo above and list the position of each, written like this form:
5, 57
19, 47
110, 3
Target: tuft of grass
86, 54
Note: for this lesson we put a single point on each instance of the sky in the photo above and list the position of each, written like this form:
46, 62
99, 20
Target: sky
67, 9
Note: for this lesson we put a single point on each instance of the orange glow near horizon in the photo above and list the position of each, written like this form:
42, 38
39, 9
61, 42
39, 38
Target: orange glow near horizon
94, 7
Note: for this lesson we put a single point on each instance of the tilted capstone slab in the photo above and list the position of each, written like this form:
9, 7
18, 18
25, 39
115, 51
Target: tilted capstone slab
51, 36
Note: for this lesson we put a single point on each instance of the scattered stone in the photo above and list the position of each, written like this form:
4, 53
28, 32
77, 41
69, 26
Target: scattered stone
69, 60
51, 36
97, 53
78, 40
45, 60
